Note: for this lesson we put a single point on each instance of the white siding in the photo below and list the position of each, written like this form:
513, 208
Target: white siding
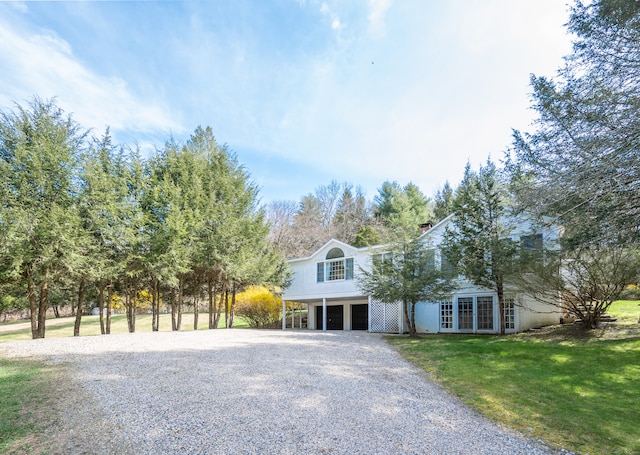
428, 317
534, 314
305, 286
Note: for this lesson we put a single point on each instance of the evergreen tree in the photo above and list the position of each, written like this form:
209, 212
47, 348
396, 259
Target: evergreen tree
443, 203
367, 236
399, 207
39, 151
479, 241
134, 237
581, 164
351, 214
405, 271
104, 191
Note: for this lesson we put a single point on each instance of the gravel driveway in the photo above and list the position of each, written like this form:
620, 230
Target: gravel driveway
250, 391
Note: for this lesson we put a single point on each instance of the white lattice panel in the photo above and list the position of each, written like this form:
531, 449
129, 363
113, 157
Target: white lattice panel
377, 316
384, 317
392, 316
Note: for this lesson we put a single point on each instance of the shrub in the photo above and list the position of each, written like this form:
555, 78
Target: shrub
631, 292
259, 307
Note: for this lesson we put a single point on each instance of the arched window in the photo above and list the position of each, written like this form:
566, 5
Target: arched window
335, 267
335, 253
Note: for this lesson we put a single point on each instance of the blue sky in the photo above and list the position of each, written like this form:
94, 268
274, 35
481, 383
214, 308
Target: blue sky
303, 91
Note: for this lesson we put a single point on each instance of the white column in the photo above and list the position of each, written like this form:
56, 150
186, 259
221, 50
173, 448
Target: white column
400, 318
293, 317
324, 314
284, 315
309, 315
369, 313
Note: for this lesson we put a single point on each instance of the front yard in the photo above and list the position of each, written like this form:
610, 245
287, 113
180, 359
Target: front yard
576, 391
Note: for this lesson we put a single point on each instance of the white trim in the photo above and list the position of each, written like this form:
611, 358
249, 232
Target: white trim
474, 313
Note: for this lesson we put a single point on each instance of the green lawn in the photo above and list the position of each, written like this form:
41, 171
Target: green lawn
627, 311
575, 391
26, 391
63, 327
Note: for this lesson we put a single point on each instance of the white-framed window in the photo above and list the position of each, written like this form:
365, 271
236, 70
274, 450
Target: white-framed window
446, 314
335, 270
446, 267
381, 258
484, 313
475, 313
532, 248
509, 312
335, 267
465, 313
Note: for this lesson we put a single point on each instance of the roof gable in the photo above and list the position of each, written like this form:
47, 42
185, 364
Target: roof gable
440, 226
321, 252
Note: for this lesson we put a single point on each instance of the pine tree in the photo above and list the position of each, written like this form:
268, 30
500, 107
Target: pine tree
39, 150
581, 163
479, 241
443, 203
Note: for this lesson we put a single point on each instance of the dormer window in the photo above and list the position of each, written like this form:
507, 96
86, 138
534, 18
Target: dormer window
336, 267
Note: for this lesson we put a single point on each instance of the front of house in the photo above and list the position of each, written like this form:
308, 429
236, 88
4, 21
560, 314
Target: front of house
326, 282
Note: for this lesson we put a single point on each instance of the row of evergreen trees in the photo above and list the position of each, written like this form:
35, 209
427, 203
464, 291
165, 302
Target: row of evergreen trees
82, 215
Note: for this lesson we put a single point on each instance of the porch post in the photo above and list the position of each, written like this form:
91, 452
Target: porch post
401, 318
369, 313
284, 314
293, 317
324, 314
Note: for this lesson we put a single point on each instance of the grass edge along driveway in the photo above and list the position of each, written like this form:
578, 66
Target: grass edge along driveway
28, 406
581, 393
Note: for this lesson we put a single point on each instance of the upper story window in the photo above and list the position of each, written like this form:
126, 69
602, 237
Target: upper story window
531, 249
446, 267
531, 242
336, 267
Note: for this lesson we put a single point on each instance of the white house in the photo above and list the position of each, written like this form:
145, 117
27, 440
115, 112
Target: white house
326, 283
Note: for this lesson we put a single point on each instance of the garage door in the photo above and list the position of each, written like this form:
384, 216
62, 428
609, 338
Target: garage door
360, 317
335, 317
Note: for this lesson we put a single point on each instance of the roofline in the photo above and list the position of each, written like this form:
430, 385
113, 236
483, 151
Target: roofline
439, 223
335, 241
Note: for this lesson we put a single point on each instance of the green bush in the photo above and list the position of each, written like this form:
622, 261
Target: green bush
631, 292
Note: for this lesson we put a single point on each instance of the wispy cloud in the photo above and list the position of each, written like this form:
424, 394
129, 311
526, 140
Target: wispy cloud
39, 62
19, 6
377, 11
326, 10
359, 91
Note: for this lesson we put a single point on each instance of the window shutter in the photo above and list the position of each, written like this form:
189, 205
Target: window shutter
349, 269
